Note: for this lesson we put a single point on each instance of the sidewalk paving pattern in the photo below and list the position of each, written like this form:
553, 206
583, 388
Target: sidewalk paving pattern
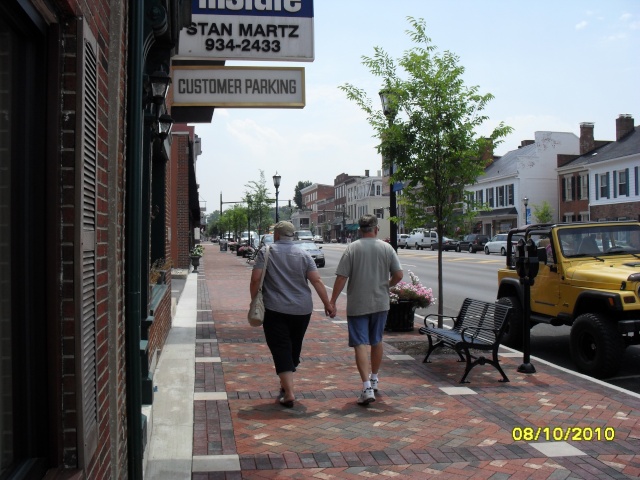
216, 414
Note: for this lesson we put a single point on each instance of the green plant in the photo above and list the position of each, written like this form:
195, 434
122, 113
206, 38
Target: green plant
197, 251
157, 267
414, 292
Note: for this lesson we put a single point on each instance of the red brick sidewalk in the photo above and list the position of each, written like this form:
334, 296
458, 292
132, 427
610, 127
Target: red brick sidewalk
423, 422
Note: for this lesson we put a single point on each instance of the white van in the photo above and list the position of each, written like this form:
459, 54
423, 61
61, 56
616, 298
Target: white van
421, 238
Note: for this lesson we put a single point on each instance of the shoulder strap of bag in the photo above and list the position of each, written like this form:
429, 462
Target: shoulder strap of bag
264, 269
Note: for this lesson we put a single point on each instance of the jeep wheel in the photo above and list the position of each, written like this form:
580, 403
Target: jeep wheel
596, 347
471, 250
513, 333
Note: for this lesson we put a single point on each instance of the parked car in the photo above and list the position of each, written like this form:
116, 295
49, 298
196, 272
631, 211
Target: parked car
498, 244
313, 250
303, 235
472, 243
266, 239
318, 239
449, 244
402, 240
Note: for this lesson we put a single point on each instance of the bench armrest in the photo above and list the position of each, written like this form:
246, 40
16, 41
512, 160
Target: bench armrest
438, 316
478, 329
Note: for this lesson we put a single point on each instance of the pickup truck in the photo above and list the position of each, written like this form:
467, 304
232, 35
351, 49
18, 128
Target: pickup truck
588, 279
421, 238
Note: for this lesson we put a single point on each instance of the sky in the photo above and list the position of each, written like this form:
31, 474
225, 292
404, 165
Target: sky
550, 65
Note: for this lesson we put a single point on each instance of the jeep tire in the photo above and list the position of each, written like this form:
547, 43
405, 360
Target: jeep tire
512, 336
597, 348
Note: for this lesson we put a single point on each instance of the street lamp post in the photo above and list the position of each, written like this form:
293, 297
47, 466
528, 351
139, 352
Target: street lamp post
276, 183
390, 111
526, 210
249, 220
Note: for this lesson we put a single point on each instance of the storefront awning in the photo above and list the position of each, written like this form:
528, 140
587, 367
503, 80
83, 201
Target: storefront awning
352, 227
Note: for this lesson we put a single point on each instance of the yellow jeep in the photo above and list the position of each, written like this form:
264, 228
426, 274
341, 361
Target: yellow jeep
588, 279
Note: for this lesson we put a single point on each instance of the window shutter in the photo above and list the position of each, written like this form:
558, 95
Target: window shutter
573, 187
627, 187
637, 183
608, 186
579, 188
597, 189
587, 196
615, 184
86, 189
564, 189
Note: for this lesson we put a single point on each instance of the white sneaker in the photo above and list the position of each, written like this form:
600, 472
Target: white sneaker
374, 384
366, 397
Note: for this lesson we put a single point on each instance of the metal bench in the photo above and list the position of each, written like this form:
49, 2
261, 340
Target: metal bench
478, 326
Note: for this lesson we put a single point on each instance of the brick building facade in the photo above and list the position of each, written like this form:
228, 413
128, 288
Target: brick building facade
83, 182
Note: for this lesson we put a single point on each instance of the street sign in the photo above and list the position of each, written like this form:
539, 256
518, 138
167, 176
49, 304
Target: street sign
239, 87
249, 30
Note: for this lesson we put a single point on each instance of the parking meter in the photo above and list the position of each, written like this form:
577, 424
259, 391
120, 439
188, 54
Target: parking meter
527, 262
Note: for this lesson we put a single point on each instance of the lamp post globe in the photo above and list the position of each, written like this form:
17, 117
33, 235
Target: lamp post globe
276, 183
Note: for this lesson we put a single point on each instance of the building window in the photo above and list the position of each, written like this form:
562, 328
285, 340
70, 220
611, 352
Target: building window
583, 187
479, 197
500, 202
604, 185
583, 217
568, 187
510, 195
490, 197
378, 190
623, 183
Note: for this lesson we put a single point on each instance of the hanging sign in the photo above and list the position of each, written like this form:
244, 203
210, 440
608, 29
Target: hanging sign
238, 87
249, 30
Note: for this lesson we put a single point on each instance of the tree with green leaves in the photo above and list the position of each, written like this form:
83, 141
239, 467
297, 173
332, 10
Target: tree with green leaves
543, 212
259, 203
297, 195
433, 142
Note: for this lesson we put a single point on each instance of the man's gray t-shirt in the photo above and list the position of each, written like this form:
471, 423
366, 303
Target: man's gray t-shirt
368, 263
285, 287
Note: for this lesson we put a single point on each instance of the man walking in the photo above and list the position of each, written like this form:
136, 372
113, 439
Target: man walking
372, 267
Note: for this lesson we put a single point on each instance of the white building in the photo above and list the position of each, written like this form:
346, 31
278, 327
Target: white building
364, 196
526, 173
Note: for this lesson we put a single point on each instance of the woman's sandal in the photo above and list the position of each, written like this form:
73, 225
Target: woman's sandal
286, 403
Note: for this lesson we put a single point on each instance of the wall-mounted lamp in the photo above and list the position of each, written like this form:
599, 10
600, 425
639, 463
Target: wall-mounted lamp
157, 87
165, 122
159, 82
526, 210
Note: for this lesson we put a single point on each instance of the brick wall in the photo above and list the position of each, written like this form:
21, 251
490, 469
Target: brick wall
161, 324
629, 210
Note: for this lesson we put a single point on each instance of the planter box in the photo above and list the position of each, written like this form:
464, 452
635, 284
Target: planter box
400, 317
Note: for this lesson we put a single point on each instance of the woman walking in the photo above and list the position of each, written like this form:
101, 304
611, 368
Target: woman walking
288, 303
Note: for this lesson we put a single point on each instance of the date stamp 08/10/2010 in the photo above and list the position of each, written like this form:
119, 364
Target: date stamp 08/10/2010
559, 434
